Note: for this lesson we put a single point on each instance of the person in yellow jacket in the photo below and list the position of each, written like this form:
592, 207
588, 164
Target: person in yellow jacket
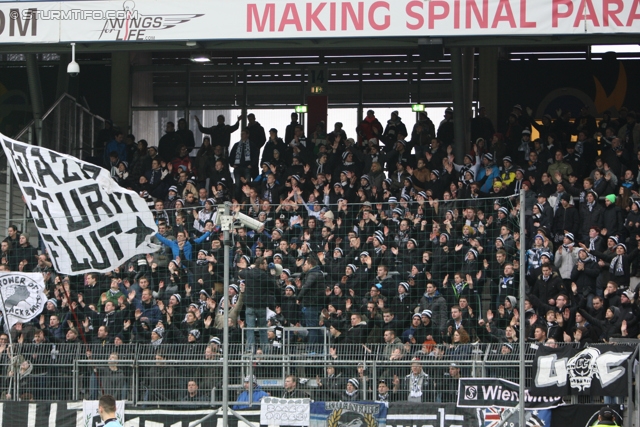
508, 173
606, 417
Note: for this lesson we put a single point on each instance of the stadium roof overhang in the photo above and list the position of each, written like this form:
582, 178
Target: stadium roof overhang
299, 25
336, 45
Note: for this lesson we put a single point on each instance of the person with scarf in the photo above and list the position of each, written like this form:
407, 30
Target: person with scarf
584, 275
417, 386
452, 292
384, 394
352, 392
620, 263
566, 257
472, 266
204, 215
155, 181
436, 303
533, 255
244, 159
548, 285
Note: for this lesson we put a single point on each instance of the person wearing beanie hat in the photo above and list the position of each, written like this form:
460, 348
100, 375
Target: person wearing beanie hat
487, 173
351, 394
194, 335
159, 331
249, 383
612, 219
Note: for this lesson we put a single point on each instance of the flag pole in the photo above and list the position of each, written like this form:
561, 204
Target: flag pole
522, 320
6, 319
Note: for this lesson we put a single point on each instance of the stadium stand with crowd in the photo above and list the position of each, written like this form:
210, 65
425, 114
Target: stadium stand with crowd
382, 243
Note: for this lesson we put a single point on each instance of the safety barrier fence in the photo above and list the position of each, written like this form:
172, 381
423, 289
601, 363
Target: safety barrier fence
147, 375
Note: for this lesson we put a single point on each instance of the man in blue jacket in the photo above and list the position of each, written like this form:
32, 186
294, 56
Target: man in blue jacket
256, 397
182, 244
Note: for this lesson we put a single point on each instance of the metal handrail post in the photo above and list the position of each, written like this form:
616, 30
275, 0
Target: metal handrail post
522, 320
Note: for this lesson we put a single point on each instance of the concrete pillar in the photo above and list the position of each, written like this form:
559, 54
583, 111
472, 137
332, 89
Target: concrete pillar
468, 58
457, 79
488, 81
35, 92
120, 90
62, 85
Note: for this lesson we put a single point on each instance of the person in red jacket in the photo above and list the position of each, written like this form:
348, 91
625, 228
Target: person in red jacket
369, 128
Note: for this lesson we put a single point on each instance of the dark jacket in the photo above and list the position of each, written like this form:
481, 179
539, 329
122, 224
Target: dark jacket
566, 219
260, 288
586, 279
591, 218
312, 292
612, 220
549, 289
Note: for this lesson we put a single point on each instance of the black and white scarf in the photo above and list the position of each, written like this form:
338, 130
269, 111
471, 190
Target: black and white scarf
415, 384
246, 147
617, 268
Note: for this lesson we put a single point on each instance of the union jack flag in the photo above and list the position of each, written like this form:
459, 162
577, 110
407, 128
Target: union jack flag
492, 416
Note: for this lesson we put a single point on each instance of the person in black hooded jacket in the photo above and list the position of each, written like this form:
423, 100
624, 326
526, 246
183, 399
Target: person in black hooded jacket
610, 326
584, 273
566, 218
612, 219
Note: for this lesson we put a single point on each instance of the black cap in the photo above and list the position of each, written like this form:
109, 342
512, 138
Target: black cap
606, 413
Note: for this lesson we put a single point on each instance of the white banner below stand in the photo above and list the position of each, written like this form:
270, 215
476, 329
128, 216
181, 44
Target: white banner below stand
91, 416
289, 412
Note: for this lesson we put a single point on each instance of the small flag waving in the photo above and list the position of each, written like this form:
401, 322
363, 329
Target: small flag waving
22, 295
87, 221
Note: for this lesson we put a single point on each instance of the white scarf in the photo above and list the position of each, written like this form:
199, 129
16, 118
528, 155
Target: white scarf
416, 384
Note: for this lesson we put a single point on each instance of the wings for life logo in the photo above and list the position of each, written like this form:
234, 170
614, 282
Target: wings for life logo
137, 26
23, 298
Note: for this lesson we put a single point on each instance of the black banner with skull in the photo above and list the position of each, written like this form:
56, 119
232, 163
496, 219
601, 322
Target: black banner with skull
597, 371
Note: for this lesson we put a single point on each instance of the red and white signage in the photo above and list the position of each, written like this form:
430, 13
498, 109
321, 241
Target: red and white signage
162, 20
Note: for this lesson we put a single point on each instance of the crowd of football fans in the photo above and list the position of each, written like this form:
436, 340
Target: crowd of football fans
381, 243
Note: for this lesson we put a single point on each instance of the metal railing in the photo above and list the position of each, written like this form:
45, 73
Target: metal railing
146, 375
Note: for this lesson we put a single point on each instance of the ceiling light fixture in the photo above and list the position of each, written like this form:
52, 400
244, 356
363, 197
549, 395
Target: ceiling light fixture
200, 58
617, 48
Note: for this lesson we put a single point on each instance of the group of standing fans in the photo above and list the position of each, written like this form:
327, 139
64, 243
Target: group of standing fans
381, 243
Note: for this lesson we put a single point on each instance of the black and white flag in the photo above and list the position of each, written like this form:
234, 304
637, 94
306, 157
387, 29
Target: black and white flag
599, 370
87, 221
23, 296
